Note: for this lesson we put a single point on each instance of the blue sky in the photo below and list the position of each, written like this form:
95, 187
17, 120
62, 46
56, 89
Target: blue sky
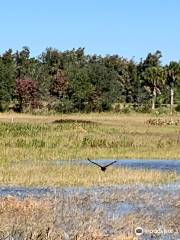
130, 28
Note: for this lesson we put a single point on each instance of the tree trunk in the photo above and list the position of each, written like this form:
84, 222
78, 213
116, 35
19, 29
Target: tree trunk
154, 98
172, 97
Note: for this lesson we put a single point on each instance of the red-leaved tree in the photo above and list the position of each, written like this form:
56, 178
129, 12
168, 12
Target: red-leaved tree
26, 93
59, 84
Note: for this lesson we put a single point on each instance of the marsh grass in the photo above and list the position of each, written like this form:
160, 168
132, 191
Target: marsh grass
38, 139
78, 136
40, 219
43, 174
74, 216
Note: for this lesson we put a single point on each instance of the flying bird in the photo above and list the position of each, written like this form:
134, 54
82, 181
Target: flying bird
103, 168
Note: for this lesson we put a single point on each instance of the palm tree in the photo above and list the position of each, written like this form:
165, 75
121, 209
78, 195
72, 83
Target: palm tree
154, 78
173, 73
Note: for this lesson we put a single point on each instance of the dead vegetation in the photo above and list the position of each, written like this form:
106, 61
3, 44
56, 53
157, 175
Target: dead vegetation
86, 215
163, 122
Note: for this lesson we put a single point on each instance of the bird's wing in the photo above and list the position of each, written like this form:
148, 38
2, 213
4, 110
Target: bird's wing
94, 163
110, 164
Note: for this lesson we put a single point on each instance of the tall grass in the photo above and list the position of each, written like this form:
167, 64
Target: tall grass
46, 174
76, 136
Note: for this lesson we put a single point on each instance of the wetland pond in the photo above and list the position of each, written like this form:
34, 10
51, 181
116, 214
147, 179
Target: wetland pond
154, 208
164, 165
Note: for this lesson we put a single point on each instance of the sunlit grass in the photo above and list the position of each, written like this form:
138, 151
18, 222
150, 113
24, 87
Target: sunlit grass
78, 136
39, 139
53, 217
35, 219
44, 174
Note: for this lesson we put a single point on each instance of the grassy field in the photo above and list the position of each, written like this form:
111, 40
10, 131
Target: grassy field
25, 138
28, 146
78, 136
48, 175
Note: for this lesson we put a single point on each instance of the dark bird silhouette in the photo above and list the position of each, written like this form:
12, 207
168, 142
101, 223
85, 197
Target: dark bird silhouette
103, 168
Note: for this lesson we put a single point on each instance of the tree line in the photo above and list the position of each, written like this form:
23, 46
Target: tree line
72, 81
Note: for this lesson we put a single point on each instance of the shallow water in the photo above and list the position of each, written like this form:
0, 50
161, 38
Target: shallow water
156, 164
115, 202
22, 192
111, 203
163, 165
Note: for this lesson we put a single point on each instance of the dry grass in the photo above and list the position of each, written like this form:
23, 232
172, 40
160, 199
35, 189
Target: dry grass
33, 219
78, 175
74, 216
78, 136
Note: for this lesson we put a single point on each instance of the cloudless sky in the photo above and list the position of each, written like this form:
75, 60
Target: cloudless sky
130, 28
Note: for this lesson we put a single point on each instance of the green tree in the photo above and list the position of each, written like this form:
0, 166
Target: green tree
106, 84
154, 79
150, 77
22, 62
121, 67
152, 59
79, 87
7, 79
173, 76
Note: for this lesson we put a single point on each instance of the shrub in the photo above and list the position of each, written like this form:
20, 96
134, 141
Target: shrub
177, 108
4, 106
